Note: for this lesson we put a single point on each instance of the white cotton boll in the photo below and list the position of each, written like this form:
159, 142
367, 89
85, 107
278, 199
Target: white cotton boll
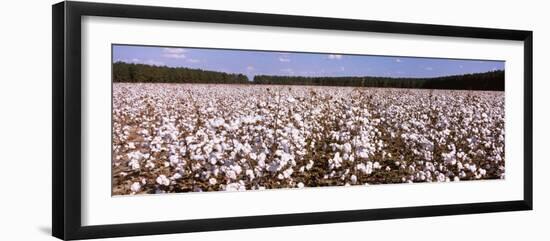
135, 187
261, 160
456, 179
231, 174
388, 168
345, 157
353, 179
238, 169
213, 160
472, 168
217, 122
347, 148
176, 176
163, 180
300, 185
234, 187
250, 174
174, 160
459, 166
288, 172
212, 181
285, 158
363, 154
441, 177
376, 165
134, 164
309, 165
143, 181
482, 171
131, 145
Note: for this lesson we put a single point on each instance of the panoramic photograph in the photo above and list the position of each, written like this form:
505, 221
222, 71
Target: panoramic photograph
188, 119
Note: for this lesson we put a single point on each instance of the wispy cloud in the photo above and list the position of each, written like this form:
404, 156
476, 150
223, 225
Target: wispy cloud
142, 61
335, 56
154, 62
398, 60
287, 71
250, 68
284, 59
174, 53
428, 68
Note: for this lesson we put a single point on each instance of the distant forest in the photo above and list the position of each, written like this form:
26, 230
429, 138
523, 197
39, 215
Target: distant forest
128, 72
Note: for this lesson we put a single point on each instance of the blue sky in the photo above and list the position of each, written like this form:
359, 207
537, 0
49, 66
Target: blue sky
250, 62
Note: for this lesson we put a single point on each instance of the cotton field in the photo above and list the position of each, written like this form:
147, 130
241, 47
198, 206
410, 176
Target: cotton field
195, 138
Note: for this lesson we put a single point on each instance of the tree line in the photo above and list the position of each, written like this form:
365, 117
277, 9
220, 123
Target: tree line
142, 73
130, 72
493, 80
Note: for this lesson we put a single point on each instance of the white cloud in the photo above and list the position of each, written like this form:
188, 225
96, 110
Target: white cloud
429, 68
153, 62
174, 50
174, 53
250, 68
287, 71
135, 60
335, 56
398, 60
193, 60
284, 59
174, 56
342, 68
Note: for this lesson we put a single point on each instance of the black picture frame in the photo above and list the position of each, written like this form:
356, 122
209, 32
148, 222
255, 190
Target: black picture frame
66, 122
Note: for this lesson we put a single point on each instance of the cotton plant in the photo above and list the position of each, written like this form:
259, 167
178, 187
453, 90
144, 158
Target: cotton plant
195, 137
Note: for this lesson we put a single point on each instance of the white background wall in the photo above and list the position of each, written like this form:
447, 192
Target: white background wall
25, 119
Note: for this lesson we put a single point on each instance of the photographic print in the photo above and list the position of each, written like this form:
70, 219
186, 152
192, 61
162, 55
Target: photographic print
187, 119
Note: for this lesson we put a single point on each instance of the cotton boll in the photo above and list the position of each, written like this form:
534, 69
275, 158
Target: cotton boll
231, 174
176, 176
353, 179
300, 185
347, 148
441, 177
163, 180
135, 187
309, 165
250, 174
134, 164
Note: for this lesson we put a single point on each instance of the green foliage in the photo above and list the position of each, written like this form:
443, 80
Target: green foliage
127, 72
141, 73
493, 80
